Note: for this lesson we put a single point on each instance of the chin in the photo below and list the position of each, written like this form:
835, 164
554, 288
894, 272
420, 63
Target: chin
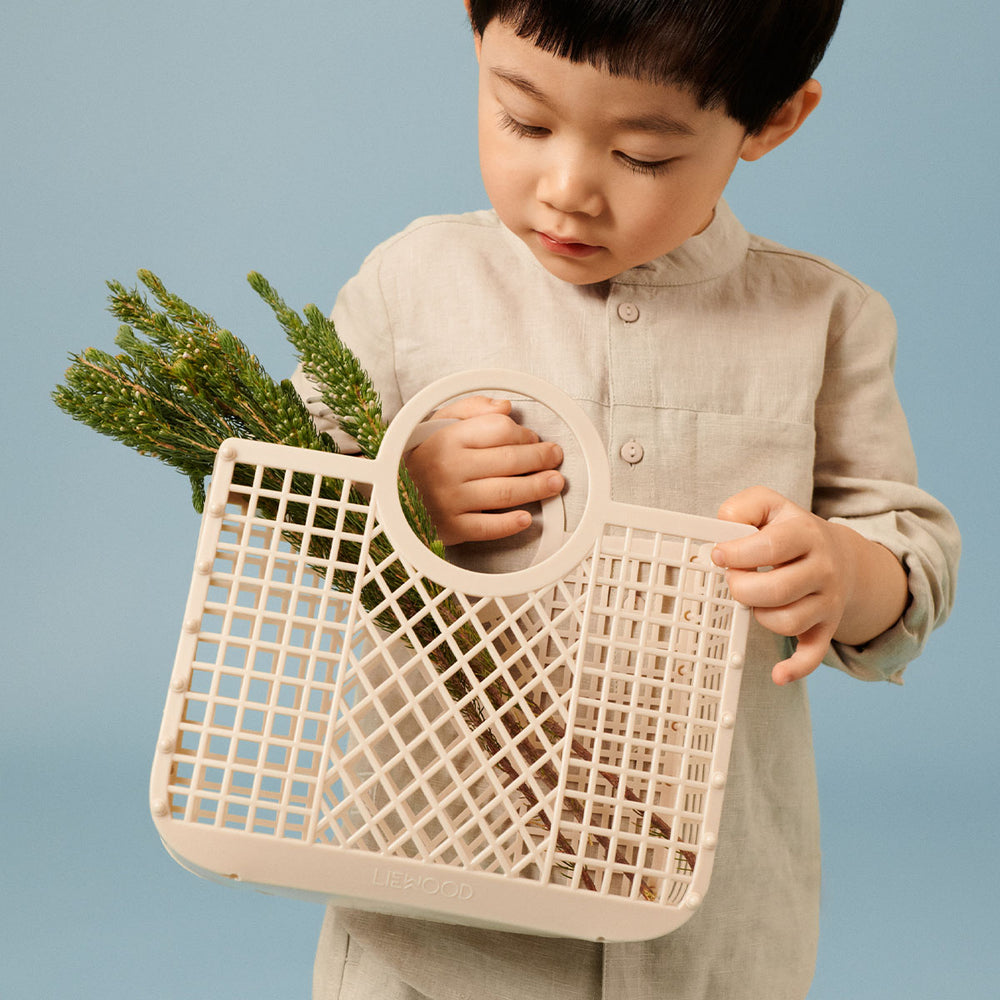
575, 272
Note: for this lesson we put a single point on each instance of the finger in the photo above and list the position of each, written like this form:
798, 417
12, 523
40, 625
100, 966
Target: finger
489, 527
486, 430
774, 588
512, 460
472, 406
812, 646
778, 521
756, 505
780, 542
509, 491
477, 448
794, 619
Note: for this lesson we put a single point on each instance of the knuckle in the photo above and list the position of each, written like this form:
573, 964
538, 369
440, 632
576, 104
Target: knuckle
507, 456
788, 622
501, 426
725, 511
770, 591
541, 455
504, 494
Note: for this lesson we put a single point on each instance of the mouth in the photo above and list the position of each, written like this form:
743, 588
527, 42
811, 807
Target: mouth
566, 248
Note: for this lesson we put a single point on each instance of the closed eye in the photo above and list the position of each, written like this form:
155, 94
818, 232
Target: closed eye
647, 167
511, 124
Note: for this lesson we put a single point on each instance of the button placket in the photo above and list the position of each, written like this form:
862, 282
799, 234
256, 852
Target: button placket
628, 374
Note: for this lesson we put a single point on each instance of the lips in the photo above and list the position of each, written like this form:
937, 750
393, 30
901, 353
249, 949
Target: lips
566, 248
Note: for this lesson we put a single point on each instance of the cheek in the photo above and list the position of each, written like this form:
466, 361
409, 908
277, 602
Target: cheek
492, 184
683, 208
501, 177
488, 154
656, 220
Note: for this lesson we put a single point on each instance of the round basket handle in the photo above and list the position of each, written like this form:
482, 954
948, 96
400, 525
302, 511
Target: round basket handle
557, 553
552, 510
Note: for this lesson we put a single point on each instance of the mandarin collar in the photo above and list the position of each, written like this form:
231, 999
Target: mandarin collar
719, 248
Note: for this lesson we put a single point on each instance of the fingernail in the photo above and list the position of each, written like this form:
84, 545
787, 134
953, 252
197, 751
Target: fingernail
718, 557
555, 482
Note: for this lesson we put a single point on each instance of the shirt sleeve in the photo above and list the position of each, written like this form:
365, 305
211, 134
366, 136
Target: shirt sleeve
865, 477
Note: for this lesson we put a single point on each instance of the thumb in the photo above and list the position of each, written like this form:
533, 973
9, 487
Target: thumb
757, 506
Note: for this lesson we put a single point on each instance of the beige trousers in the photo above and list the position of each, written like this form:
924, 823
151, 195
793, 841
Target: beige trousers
344, 970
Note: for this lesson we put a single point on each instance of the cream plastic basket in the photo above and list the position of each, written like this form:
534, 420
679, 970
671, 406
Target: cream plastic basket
353, 719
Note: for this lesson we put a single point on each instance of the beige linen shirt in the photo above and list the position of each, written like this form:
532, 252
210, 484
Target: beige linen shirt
730, 362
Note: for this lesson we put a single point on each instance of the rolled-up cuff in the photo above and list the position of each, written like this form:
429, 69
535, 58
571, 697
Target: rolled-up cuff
928, 551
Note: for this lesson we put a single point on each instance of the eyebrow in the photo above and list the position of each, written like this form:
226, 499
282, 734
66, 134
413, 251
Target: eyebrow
653, 122
522, 83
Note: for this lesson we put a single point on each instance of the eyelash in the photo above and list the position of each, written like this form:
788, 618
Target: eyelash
648, 168
642, 167
519, 128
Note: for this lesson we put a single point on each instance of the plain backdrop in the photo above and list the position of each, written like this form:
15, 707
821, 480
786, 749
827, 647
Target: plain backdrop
203, 140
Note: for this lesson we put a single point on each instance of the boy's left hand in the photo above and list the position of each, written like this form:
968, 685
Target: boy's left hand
823, 581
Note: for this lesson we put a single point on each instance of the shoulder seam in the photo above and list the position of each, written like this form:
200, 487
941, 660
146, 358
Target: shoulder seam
482, 219
777, 250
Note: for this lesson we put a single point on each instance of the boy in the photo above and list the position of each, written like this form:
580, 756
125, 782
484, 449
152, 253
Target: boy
711, 362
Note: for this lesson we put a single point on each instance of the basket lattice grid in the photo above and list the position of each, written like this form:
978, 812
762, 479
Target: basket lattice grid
351, 718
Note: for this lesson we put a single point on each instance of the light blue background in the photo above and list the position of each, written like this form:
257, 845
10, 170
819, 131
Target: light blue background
205, 139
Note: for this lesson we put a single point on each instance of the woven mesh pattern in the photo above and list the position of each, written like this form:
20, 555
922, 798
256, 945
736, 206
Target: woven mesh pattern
327, 692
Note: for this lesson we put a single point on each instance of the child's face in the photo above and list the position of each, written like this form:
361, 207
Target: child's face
595, 173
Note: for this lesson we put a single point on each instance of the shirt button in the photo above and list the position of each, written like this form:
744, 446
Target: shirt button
628, 311
632, 452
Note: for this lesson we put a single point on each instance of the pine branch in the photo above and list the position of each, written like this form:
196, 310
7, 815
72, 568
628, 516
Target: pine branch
344, 384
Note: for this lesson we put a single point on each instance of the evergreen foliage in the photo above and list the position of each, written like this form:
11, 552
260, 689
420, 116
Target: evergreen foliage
180, 386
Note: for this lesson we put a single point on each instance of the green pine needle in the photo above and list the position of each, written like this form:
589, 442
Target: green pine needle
180, 384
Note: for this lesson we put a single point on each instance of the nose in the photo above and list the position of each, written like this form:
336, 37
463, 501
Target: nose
568, 184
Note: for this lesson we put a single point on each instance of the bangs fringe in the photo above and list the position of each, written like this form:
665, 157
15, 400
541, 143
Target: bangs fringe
748, 57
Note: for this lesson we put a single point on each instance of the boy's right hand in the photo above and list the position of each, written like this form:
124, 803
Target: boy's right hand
470, 471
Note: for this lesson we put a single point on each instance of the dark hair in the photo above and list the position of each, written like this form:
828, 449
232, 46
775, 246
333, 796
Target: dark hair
746, 56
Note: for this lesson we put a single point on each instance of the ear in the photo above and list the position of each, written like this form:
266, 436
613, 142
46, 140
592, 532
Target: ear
785, 122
